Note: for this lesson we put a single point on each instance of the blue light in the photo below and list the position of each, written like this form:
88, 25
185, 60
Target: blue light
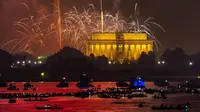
139, 83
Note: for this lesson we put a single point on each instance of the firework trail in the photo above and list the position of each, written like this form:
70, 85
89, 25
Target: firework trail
77, 27
32, 33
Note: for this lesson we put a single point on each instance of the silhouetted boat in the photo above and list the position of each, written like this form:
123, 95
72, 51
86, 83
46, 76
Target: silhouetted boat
140, 104
84, 82
12, 86
83, 85
63, 83
49, 107
161, 82
193, 83
28, 85
137, 83
12, 100
104, 95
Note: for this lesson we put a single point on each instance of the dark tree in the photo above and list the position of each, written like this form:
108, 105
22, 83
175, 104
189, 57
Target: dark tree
23, 56
152, 58
175, 58
69, 52
101, 61
5, 59
147, 60
143, 60
92, 57
65, 56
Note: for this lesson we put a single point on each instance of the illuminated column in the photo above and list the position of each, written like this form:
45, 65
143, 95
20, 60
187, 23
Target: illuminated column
111, 52
144, 48
103, 49
100, 50
92, 49
97, 49
138, 51
150, 47
132, 48
129, 52
88, 50
114, 51
108, 51
126, 51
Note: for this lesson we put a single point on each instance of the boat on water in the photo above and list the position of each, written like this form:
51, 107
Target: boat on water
12, 86
141, 104
137, 83
161, 82
12, 100
28, 85
49, 107
84, 82
63, 83
192, 84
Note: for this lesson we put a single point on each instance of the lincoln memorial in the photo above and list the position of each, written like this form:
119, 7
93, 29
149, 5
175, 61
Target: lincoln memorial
119, 46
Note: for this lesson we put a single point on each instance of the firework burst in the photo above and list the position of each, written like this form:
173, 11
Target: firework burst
77, 27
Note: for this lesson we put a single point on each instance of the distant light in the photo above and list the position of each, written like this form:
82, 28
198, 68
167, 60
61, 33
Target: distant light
29, 61
18, 62
190, 63
139, 88
23, 62
159, 62
35, 62
109, 62
40, 62
63, 78
166, 81
42, 74
84, 74
198, 77
163, 62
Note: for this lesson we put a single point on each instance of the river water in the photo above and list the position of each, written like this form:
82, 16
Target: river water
94, 104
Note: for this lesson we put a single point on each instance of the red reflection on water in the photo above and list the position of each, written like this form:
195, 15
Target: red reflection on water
91, 104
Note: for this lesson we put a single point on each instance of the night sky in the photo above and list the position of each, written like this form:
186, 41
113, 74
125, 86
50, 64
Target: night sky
180, 18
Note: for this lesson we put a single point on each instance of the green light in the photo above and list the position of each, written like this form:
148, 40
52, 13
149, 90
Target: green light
42, 74
42, 57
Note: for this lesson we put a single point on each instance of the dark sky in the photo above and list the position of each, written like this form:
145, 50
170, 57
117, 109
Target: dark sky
180, 18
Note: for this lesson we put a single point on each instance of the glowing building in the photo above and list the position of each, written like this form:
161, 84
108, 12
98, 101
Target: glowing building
119, 46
